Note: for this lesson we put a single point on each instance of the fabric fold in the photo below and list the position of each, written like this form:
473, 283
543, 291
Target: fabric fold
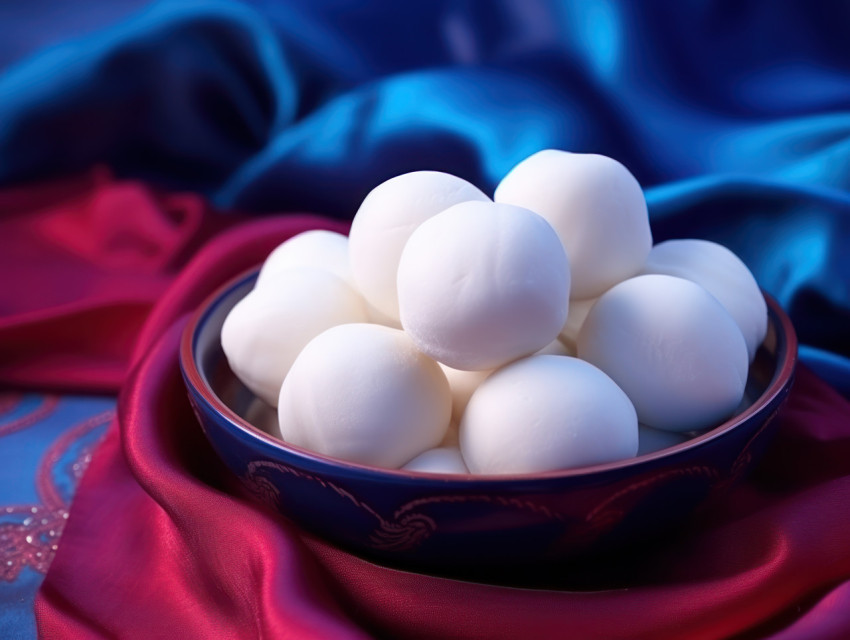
732, 116
158, 525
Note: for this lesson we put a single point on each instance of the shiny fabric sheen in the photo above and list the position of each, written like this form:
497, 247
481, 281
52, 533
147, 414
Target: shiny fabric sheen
733, 115
156, 524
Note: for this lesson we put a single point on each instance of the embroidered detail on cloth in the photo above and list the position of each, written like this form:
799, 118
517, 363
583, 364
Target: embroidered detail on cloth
29, 533
11, 402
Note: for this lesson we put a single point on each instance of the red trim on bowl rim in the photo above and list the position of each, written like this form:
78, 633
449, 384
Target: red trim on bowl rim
189, 365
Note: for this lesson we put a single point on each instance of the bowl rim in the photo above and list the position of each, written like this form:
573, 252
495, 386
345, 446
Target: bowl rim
192, 376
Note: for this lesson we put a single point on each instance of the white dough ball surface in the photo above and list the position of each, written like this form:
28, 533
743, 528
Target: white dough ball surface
439, 460
481, 284
672, 347
547, 413
364, 393
720, 272
596, 206
264, 332
384, 222
317, 248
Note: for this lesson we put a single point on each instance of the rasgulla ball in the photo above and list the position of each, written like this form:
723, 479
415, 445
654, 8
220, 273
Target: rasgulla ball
316, 248
384, 222
439, 460
366, 394
481, 284
320, 249
650, 440
266, 330
464, 383
596, 206
723, 275
546, 413
672, 347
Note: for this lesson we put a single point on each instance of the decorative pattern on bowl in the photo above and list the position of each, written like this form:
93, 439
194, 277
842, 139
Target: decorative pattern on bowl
467, 525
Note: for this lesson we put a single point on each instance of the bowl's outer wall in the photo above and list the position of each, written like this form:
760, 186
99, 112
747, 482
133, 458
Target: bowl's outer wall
454, 525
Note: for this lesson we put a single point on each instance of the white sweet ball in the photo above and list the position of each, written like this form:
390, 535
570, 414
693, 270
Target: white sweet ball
463, 384
265, 331
439, 460
650, 440
384, 222
317, 248
481, 284
596, 206
672, 347
364, 393
575, 318
723, 275
546, 413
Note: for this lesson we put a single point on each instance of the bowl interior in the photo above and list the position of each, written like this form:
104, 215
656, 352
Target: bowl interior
768, 373
511, 529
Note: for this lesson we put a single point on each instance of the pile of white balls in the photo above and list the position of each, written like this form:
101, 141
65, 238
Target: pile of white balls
537, 331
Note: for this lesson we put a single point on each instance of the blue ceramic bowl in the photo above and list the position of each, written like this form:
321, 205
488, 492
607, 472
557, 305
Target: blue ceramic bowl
477, 526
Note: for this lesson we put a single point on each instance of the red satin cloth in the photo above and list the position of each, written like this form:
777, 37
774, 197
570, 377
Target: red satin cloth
87, 258
158, 547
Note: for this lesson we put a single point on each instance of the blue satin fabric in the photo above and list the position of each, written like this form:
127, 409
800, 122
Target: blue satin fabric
735, 116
